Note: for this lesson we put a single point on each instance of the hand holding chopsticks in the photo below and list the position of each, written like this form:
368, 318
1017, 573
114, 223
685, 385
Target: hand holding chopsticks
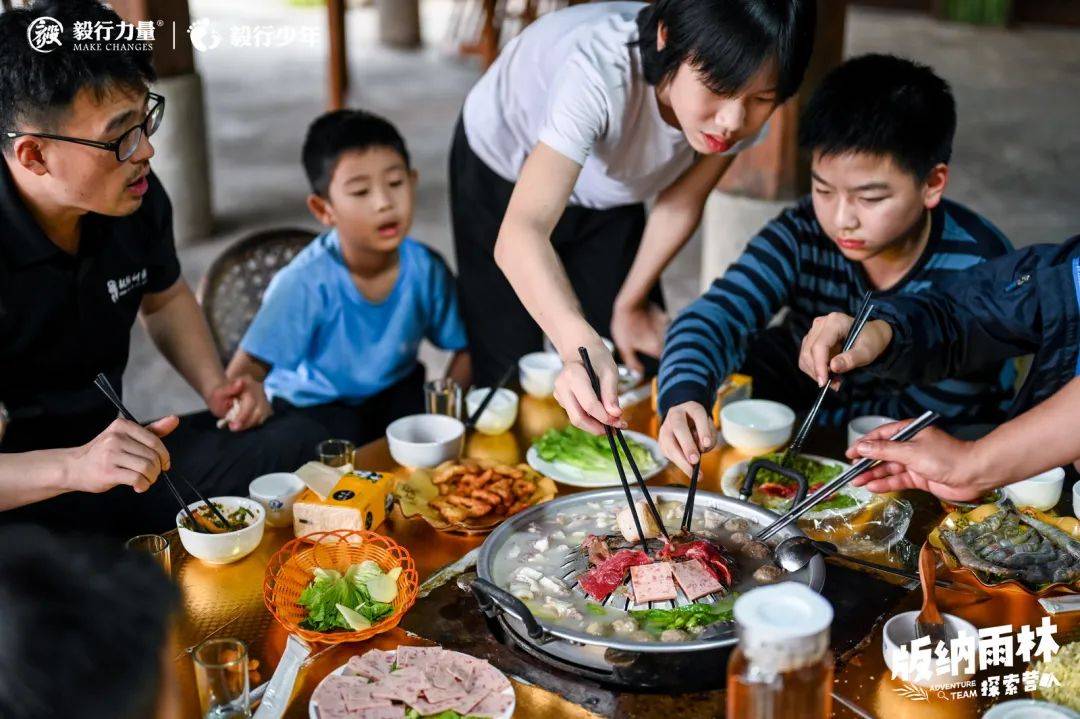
808, 422
611, 436
106, 388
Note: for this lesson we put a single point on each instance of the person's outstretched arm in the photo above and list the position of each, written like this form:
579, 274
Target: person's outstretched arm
125, 453
526, 256
990, 313
1035, 441
706, 342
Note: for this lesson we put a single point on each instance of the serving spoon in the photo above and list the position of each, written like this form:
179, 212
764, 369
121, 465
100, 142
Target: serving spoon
929, 623
794, 553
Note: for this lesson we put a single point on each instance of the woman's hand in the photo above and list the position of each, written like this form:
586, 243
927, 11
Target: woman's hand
686, 434
574, 390
638, 328
932, 461
820, 353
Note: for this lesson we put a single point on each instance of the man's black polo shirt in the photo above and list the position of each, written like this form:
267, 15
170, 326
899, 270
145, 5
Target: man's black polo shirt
65, 318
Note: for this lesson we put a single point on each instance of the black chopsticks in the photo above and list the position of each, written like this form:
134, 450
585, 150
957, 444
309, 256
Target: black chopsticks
804, 429
475, 416
688, 508
862, 466
103, 384
611, 435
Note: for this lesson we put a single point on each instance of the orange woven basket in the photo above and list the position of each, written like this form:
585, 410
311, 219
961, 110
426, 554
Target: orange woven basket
291, 570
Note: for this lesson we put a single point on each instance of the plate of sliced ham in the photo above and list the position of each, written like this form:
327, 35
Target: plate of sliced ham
413, 682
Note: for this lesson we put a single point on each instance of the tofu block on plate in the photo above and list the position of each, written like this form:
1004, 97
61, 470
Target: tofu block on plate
695, 580
652, 582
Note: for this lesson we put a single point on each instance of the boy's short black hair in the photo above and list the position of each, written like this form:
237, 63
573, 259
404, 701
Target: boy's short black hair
727, 41
84, 624
339, 131
882, 105
36, 87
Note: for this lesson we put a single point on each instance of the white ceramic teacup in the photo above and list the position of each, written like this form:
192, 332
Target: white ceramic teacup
754, 426
500, 413
1040, 492
862, 426
537, 372
277, 493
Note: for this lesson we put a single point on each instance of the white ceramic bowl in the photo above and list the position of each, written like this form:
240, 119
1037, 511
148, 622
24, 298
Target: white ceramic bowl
425, 440
1041, 492
500, 413
230, 546
756, 425
862, 426
277, 493
900, 632
537, 372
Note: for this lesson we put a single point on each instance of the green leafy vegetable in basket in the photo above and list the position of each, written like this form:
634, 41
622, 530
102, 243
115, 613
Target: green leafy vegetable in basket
355, 600
690, 616
587, 452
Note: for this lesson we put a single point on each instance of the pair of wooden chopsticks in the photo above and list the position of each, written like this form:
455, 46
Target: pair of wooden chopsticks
862, 466
612, 435
800, 437
103, 384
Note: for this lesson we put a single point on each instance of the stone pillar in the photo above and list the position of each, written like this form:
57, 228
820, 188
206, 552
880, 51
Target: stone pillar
181, 160
399, 22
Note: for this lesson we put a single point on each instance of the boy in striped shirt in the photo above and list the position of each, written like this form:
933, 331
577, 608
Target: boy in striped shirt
880, 130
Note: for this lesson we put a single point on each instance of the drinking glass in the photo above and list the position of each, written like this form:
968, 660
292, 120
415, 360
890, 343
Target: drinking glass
221, 674
335, 452
443, 396
156, 546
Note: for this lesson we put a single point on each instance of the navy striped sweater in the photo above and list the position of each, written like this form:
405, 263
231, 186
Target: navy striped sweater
792, 263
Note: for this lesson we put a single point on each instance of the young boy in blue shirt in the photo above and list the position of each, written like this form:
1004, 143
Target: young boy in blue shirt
879, 130
339, 328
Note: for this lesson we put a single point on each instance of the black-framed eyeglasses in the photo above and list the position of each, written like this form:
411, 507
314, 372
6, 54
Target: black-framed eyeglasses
125, 145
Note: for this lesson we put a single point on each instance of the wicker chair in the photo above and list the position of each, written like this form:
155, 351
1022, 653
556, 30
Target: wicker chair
232, 289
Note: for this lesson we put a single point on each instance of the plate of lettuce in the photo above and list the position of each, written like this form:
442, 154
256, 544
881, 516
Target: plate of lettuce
579, 459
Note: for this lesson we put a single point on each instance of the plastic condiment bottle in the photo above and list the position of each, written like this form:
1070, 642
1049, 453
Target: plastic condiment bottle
782, 667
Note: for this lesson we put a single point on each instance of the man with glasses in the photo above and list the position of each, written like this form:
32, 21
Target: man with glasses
86, 245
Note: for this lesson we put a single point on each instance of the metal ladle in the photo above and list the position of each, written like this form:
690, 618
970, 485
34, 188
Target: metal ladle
794, 553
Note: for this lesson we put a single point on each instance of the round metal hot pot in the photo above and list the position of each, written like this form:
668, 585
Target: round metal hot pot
696, 664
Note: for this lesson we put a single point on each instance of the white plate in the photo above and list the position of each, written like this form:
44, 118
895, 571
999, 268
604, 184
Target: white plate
509, 691
734, 475
564, 473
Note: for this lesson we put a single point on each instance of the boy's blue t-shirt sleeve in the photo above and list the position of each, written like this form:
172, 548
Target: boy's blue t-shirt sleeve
282, 330
445, 328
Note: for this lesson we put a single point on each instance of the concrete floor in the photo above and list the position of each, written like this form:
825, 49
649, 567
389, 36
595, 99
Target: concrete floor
1016, 159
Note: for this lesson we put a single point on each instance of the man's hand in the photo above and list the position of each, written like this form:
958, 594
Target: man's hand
820, 353
254, 408
687, 432
932, 461
638, 328
574, 390
125, 453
